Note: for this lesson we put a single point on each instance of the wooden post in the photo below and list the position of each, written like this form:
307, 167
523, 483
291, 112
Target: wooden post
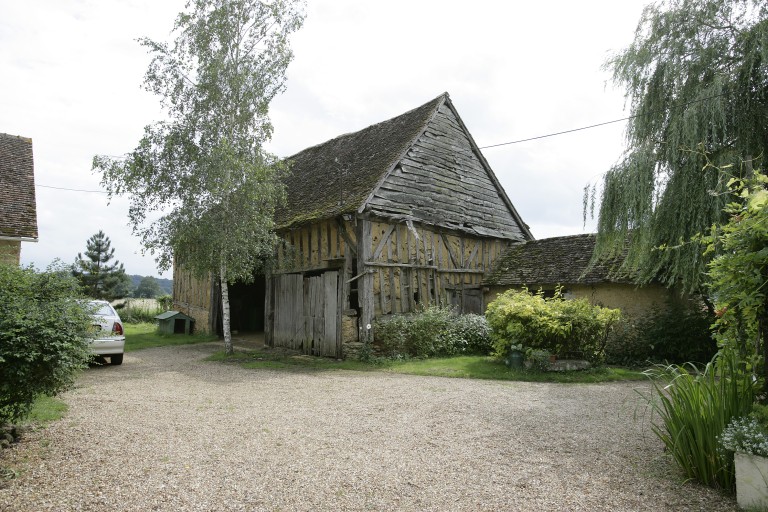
268, 311
365, 286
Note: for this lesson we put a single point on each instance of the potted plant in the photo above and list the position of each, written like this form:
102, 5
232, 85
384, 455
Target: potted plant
515, 356
748, 439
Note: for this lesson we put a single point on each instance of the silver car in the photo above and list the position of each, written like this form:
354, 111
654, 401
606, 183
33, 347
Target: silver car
109, 337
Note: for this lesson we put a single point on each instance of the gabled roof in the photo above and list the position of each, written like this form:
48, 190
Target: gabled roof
404, 162
18, 214
551, 261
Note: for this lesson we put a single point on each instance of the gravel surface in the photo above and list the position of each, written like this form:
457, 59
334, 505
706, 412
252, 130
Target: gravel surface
167, 431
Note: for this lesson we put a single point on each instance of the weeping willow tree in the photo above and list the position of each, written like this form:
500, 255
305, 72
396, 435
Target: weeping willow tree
696, 79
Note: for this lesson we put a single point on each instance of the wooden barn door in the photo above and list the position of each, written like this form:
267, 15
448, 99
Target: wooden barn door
288, 330
320, 312
305, 313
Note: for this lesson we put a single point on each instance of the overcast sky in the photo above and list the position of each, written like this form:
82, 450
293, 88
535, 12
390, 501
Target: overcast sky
72, 74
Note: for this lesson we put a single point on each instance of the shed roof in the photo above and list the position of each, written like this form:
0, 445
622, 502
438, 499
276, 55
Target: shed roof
550, 261
341, 175
171, 314
18, 213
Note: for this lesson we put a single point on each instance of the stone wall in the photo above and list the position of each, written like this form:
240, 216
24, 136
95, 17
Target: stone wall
10, 252
633, 301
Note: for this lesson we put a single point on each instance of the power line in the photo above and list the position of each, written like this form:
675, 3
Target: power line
72, 189
556, 133
599, 124
494, 145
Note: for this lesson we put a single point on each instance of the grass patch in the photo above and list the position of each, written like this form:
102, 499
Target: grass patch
468, 367
145, 335
45, 410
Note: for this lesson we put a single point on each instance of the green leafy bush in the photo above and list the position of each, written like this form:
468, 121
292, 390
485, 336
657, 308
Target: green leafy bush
165, 302
43, 336
626, 346
695, 407
677, 333
433, 331
554, 324
475, 333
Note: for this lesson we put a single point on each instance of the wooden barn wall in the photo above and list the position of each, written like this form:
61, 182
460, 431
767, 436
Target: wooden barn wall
192, 296
318, 246
442, 182
412, 263
408, 262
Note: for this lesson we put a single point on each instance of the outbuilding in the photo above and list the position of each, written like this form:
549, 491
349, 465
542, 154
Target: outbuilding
175, 322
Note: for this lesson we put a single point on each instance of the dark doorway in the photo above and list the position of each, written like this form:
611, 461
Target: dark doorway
246, 306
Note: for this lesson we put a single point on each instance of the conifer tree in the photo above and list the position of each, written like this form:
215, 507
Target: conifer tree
99, 278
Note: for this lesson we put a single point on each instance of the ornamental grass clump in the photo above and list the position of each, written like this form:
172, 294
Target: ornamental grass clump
695, 407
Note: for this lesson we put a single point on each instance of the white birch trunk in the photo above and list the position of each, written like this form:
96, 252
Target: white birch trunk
225, 319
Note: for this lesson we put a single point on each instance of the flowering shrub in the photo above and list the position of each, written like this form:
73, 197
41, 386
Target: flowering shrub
433, 331
552, 324
746, 435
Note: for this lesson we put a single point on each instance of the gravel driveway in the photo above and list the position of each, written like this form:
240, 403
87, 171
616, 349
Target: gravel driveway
167, 431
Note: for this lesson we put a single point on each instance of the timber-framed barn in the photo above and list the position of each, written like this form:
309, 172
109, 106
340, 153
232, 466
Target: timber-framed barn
401, 213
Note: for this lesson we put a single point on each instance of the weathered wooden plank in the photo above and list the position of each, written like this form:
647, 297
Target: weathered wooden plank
382, 293
365, 283
398, 245
391, 275
346, 236
330, 314
399, 265
442, 203
447, 245
384, 241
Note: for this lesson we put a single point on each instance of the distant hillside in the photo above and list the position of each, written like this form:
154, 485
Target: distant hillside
165, 284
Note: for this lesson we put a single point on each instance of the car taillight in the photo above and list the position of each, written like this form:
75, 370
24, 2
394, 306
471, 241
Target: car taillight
117, 328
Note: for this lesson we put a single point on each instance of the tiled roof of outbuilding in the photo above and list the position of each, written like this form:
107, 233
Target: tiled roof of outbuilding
18, 213
550, 261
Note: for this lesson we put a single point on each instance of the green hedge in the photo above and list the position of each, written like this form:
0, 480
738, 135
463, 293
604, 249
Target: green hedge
433, 331
43, 337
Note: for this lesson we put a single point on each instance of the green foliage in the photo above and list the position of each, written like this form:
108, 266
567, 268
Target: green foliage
165, 302
474, 332
678, 332
627, 346
148, 288
43, 336
695, 81
554, 324
433, 331
98, 278
694, 408
538, 359
739, 274
204, 171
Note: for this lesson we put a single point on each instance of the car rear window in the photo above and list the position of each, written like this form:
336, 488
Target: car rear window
105, 310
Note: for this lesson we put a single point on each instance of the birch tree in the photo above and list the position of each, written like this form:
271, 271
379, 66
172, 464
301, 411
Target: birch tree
202, 189
696, 78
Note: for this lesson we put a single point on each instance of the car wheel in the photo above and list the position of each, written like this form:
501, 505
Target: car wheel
116, 358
